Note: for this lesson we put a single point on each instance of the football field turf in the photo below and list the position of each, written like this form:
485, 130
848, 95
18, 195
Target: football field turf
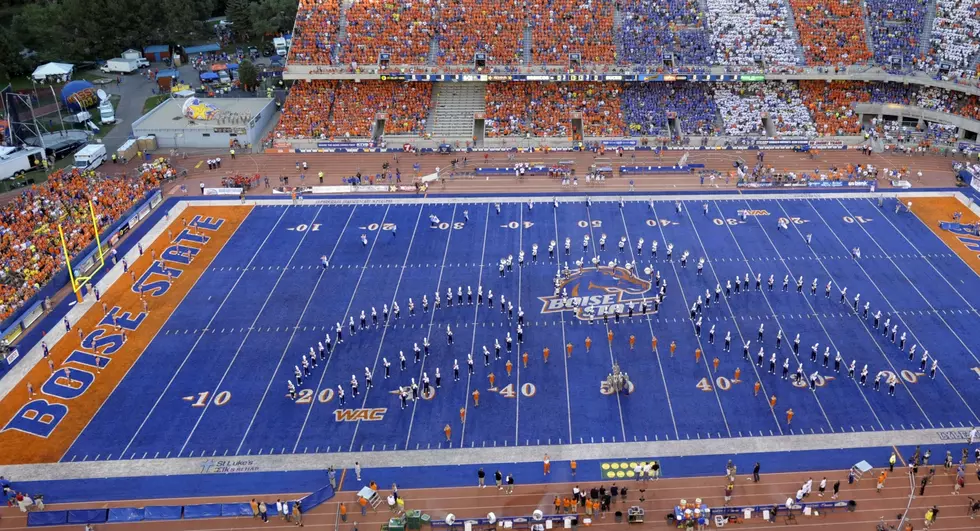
207, 369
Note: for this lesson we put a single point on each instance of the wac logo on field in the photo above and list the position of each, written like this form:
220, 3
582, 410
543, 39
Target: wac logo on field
354, 415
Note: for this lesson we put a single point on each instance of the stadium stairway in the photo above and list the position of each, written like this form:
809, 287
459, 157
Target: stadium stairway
453, 108
791, 20
433, 57
528, 45
927, 27
867, 28
341, 31
618, 30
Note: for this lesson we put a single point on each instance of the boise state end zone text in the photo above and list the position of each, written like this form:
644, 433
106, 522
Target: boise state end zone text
42, 415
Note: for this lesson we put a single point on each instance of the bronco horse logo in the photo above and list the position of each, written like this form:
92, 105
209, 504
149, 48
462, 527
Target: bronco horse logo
597, 291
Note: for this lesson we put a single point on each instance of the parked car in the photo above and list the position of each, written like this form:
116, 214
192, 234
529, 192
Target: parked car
253, 52
268, 51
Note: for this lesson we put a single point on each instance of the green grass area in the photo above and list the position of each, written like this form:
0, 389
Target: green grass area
153, 101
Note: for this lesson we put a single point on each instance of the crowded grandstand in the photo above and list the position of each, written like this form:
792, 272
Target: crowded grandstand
828, 44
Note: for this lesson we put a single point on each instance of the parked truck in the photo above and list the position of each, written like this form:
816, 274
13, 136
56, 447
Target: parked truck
120, 65
15, 162
136, 55
90, 157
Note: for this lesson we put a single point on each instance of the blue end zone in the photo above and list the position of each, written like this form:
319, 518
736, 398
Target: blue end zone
265, 301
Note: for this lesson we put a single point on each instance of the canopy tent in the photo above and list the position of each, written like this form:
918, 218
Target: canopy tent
217, 67
206, 76
53, 69
232, 66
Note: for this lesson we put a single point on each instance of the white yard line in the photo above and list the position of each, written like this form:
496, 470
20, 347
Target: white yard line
629, 243
520, 345
612, 357
476, 314
564, 341
684, 300
203, 331
247, 334
813, 311
295, 329
428, 330
333, 351
942, 276
731, 313
892, 306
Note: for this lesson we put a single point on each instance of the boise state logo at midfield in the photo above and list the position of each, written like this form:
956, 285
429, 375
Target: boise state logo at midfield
597, 291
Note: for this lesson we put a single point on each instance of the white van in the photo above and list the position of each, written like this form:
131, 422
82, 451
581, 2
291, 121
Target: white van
90, 157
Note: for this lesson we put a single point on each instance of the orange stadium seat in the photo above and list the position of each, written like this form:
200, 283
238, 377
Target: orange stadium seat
544, 109
830, 105
307, 110
355, 104
401, 28
831, 31
316, 26
465, 27
562, 27
30, 246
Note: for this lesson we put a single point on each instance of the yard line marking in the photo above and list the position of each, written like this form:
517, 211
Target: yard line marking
738, 329
238, 351
684, 299
350, 303
830, 338
520, 275
612, 357
191, 351
906, 325
564, 341
629, 243
428, 331
942, 276
293, 335
873, 283
476, 314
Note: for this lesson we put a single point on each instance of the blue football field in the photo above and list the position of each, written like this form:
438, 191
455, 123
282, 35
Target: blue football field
213, 382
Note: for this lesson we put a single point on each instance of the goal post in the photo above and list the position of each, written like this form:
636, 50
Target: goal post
90, 264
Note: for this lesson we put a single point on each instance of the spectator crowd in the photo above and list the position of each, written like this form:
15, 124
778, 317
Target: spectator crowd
30, 244
830, 105
314, 32
831, 31
324, 109
896, 29
652, 29
646, 108
743, 31
545, 109
467, 27
955, 38
744, 106
401, 28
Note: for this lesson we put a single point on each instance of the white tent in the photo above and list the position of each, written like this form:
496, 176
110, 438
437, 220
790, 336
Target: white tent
63, 70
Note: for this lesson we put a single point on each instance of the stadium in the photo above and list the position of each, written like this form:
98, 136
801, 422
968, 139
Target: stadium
667, 264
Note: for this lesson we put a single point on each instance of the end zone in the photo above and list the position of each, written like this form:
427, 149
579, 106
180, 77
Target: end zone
109, 335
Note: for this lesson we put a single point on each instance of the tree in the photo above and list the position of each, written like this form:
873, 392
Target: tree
248, 75
11, 63
239, 14
271, 17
